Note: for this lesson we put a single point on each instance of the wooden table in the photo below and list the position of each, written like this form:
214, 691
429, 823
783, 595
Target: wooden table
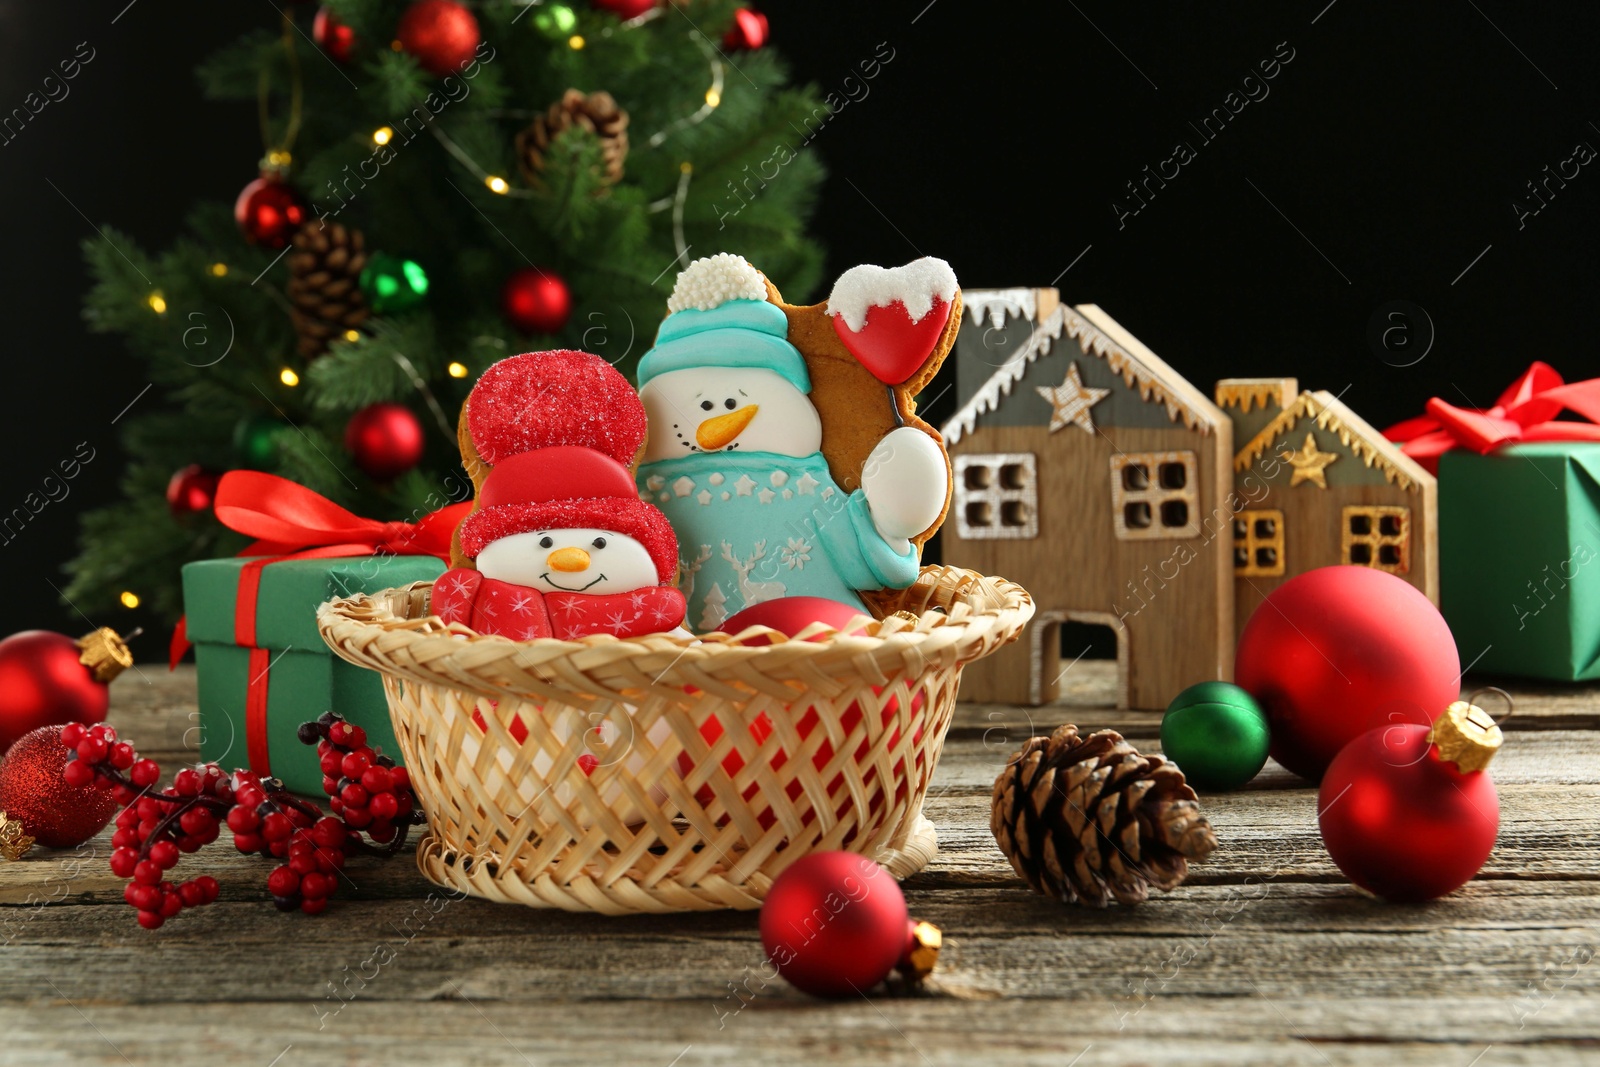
1265, 956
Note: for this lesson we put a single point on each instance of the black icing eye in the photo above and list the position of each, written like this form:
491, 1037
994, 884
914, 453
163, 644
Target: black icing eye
545, 542
599, 542
730, 403
705, 405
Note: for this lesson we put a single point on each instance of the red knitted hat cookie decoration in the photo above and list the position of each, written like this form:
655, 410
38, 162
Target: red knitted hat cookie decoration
548, 399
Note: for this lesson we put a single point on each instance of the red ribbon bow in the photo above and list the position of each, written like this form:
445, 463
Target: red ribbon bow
1525, 412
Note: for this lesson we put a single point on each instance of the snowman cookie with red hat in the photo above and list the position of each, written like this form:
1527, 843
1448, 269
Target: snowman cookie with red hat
559, 543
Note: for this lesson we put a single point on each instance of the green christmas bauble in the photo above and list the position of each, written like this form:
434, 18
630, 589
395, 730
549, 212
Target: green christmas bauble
1217, 735
393, 284
256, 440
555, 21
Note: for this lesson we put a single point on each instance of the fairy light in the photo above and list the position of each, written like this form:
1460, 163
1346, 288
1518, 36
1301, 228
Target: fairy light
157, 302
713, 98
497, 184
576, 42
288, 377
352, 335
219, 270
279, 158
713, 95
457, 370
382, 135
129, 599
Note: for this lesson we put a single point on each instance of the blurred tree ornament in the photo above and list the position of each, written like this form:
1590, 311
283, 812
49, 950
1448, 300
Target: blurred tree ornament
596, 112
555, 21
385, 439
333, 36
49, 679
33, 792
625, 9
748, 32
441, 35
191, 490
269, 211
326, 269
536, 300
1217, 735
393, 284
255, 438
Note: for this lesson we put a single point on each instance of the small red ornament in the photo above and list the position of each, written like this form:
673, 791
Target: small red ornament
32, 791
269, 211
535, 300
626, 9
48, 679
191, 490
1338, 651
385, 439
1410, 812
441, 34
333, 36
748, 32
834, 924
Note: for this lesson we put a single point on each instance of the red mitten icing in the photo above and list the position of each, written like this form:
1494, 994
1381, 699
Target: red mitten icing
546, 399
891, 318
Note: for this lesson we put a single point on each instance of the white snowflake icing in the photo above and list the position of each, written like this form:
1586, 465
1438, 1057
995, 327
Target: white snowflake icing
744, 484
779, 477
716, 479
827, 492
654, 482
788, 494
665, 497
807, 484
683, 486
522, 604
712, 281
915, 285
726, 494
704, 496
766, 495
796, 554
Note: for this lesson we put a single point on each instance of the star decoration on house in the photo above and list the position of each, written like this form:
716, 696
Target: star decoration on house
1071, 401
1309, 464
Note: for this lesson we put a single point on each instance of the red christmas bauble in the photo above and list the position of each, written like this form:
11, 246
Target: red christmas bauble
834, 924
333, 36
1402, 822
536, 300
32, 791
625, 9
385, 439
43, 682
269, 212
1338, 651
441, 34
748, 32
191, 490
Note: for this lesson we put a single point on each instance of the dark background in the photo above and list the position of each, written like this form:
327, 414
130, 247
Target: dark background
1385, 160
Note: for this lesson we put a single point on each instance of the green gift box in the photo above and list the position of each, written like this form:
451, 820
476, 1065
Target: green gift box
1519, 558
256, 688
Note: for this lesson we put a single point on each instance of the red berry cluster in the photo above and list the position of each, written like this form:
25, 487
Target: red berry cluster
155, 828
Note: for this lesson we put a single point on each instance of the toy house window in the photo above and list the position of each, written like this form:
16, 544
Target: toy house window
1376, 536
997, 496
1258, 543
1155, 495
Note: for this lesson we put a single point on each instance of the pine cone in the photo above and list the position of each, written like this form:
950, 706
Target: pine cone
1084, 819
596, 112
324, 284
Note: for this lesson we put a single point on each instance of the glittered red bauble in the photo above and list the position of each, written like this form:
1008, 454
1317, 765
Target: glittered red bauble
269, 212
625, 9
1400, 821
32, 791
536, 301
834, 924
441, 34
333, 36
43, 682
385, 439
748, 32
1338, 651
191, 490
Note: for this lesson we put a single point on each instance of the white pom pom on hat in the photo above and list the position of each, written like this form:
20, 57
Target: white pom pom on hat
710, 282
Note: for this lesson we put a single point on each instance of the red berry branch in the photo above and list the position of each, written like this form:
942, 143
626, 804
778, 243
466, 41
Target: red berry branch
371, 796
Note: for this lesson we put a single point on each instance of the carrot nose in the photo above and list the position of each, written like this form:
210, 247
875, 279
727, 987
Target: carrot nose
716, 433
568, 559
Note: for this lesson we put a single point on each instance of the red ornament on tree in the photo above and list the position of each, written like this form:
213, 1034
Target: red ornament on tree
269, 211
333, 36
385, 439
834, 924
1410, 812
33, 792
48, 679
1338, 651
748, 32
536, 300
625, 9
191, 490
441, 34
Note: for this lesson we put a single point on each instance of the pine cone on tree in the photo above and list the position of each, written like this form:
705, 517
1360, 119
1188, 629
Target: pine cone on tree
596, 112
324, 284
1084, 819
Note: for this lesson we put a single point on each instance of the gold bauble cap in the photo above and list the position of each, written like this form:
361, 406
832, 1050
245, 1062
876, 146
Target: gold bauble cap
923, 956
1467, 736
105, 653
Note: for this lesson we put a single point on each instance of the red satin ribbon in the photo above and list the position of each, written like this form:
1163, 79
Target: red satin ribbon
1525, 412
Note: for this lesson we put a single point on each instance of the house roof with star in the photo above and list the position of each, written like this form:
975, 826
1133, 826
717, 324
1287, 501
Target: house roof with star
1327, 412
1122, 383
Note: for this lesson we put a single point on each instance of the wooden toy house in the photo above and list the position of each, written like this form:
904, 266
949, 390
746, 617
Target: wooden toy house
1090, 471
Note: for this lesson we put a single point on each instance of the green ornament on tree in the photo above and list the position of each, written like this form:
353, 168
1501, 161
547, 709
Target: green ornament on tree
393, 284
1217, 735
555, 21
256, 440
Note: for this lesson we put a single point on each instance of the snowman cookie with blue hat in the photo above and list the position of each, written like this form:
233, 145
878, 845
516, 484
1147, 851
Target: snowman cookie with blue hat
783, 443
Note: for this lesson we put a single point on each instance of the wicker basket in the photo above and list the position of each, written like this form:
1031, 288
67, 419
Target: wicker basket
651, 775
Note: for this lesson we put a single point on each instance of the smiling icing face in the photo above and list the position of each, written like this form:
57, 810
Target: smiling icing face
569, 561
724, 409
